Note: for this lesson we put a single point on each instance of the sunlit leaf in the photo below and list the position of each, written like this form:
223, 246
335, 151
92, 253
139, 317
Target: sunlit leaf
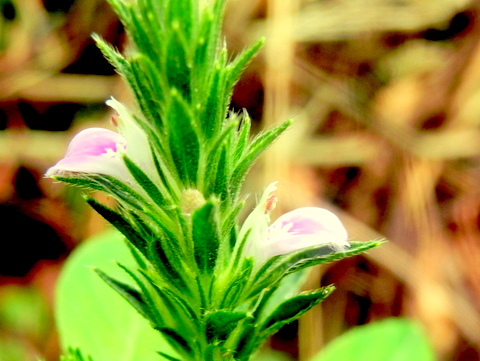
394, 339
93, 317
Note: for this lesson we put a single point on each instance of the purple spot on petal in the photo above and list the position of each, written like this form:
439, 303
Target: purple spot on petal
95, 142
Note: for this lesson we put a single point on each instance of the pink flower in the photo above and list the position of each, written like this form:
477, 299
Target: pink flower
293, 231
303, 228
93, 151
101, 151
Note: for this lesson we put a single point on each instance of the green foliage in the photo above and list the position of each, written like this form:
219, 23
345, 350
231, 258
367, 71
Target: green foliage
24, 312
293, 308
75, 355
91, 317
393, 339
279, 267
186, 275
150, 188
220, 324
120, 223
13, 349
182, 81
206, 236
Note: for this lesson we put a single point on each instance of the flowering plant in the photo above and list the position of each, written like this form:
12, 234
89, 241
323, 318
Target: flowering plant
215, 290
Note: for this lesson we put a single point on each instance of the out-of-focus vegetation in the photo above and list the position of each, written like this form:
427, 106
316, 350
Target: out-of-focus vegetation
387, 101
387, 340
121, 333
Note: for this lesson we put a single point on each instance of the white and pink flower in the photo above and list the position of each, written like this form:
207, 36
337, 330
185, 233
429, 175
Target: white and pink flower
293, 231
303, 228
101, 151
93, 151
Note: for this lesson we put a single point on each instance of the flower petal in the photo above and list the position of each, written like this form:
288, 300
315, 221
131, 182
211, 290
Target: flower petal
305, 227
140, 152
95, 142
93, 151
257, 222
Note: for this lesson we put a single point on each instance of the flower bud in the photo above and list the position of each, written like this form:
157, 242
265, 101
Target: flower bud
191, 200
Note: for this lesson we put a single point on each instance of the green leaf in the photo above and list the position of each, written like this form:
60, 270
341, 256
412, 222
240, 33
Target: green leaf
112, 186
175, 309
178, 65
288, 287
206, 236
164, 258
279, 267
178, 306
122, 9
209, 35
212, 147
153, 96
140, 259
168, 357
141, 82
312, 257
145, 182
75, 355
258, 145
184, 139
394, 339
112, 55
120, 223
144, 34
293, 308
221, 323
140, 299
154, 12
242, 136
236, 67
93, 317
184, 12
263, 140
163, 167
213, 111
236, 284
275, 308
180, 343
229, 217
222, 175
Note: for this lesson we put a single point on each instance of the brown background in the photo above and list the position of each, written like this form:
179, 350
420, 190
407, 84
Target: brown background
386, 98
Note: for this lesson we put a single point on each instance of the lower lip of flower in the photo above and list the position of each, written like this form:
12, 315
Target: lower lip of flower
305, 227
93, 150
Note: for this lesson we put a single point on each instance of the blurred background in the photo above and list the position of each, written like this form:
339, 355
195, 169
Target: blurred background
386, 97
